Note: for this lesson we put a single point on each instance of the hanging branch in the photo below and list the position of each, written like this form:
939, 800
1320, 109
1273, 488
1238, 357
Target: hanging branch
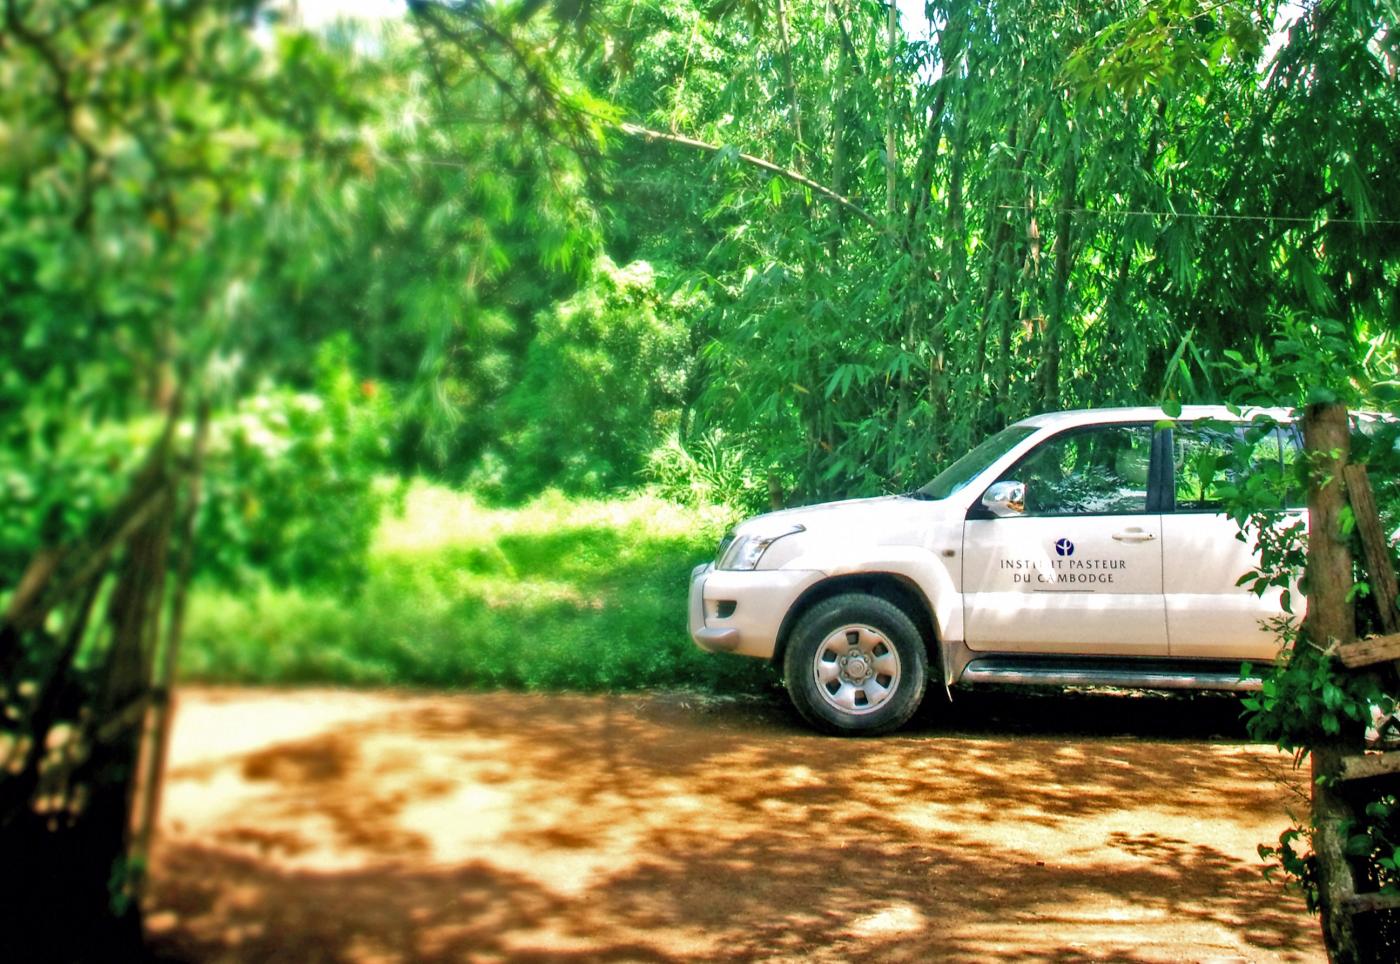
646, 133
556, 111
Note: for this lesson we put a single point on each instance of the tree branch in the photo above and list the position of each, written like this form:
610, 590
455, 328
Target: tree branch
646, 133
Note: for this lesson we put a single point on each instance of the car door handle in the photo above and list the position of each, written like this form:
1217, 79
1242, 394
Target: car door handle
1134, 535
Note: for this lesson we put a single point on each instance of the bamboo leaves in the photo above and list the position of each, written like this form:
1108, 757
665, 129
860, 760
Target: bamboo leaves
908, 235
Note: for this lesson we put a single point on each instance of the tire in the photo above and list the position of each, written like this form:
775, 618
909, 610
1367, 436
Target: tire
856, 665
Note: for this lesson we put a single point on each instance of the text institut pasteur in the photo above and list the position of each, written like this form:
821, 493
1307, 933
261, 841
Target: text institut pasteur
1051, 571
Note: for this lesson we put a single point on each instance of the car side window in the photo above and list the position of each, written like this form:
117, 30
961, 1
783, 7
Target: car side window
1100, 470
1211, 460
1295, 494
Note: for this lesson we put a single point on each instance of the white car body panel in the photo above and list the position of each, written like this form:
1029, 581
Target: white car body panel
1207, 613
925, 570
1024, 594
762, 599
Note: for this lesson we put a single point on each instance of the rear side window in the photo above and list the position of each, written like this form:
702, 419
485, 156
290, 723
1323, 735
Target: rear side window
1212, 460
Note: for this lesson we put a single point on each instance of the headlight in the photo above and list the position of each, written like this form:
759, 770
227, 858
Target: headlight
745, 551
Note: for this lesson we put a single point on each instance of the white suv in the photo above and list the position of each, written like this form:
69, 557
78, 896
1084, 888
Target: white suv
1085, 547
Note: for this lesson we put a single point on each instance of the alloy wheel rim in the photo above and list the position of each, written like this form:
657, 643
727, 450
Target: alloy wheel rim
856, 669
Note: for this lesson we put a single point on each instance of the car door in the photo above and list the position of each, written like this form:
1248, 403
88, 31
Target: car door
1210, 616
1076, 568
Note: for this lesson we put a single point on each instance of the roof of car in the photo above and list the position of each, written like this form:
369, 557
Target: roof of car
1148, 413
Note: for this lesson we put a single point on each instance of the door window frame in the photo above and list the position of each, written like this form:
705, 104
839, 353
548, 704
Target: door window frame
1287, 432
1159, 474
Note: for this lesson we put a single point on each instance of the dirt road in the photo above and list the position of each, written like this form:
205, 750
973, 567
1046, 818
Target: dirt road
327, 825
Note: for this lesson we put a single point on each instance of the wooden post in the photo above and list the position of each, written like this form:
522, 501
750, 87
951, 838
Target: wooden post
1380, 570
1330, 618
1336, 886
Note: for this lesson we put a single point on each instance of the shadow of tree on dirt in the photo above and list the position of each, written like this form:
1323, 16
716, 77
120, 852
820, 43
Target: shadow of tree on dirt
502, 826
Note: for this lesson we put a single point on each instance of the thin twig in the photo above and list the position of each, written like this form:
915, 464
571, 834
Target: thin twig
647, 133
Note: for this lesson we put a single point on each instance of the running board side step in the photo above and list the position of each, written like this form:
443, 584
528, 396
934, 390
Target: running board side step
1127, 675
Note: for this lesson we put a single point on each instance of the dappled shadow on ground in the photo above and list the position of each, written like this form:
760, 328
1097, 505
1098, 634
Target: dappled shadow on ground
517, 827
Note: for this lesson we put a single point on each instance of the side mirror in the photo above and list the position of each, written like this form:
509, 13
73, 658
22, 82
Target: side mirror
1005, 499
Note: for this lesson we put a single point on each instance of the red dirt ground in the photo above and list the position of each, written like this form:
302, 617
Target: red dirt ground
306, 825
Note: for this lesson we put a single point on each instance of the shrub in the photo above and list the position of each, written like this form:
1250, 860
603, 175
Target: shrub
602, 381
710, 472
290, 482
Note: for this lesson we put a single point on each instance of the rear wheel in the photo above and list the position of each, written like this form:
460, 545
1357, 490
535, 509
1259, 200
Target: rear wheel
856, 665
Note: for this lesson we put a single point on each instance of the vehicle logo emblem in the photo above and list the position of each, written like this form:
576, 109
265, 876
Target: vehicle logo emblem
1063, 547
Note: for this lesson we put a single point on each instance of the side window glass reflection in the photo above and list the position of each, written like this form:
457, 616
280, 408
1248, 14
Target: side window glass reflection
1097, 471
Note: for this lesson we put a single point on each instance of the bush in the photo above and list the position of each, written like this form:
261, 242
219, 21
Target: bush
290, 482
711, 472
558, 594
602, 382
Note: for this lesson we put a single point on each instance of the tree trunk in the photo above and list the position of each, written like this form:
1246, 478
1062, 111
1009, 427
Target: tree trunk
956, 237
951, 45
838, 127
71, 873
1331, 815
891, 199
1375, 545
1330, 618
1327, 442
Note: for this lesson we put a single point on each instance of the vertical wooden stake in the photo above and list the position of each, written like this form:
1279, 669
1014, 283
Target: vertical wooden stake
163, 684
1380, 569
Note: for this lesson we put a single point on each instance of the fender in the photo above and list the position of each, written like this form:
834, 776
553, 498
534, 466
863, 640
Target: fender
930, 572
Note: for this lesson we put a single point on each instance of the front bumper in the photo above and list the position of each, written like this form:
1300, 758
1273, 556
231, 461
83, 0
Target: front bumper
755, 603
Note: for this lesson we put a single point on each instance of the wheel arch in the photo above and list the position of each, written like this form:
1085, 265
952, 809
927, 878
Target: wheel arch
893, 587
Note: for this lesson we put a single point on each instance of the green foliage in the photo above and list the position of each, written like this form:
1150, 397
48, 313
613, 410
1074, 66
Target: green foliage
1306, 698
455, 199
53, 484
708, 473
435, 258
558, 594
1036, 243
604, 378
1299, 866
1010, 238
290, 484
1379, 840
1311, 359
147, 159
1167, 44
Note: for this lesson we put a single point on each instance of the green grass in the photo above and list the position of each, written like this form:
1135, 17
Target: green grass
558, 594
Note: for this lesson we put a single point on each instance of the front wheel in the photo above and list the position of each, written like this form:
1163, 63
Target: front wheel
855, 665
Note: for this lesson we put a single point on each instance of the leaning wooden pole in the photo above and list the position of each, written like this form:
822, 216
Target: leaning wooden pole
163, 682
1375, 547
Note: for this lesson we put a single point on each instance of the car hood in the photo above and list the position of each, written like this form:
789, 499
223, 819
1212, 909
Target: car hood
887, 520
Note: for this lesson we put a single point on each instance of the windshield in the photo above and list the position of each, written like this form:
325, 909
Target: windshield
971, 465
